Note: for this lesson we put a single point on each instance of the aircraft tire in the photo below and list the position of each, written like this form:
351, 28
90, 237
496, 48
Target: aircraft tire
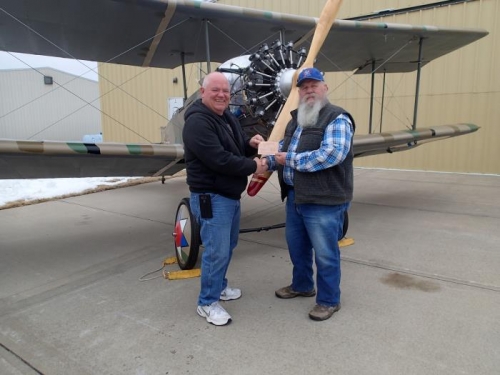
186, 236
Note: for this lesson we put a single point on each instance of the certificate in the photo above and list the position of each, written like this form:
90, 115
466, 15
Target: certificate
268, 148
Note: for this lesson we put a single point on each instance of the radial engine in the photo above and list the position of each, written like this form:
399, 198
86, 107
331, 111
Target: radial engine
260, 84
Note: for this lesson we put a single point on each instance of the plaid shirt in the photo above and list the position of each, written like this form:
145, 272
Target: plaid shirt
332, 151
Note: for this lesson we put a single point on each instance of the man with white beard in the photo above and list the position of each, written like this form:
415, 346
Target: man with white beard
315, 169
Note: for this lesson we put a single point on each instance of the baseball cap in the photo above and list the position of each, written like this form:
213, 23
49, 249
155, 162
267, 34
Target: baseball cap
310, 73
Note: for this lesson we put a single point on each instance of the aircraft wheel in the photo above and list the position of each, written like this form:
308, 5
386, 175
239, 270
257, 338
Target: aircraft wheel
346, 224
186, 236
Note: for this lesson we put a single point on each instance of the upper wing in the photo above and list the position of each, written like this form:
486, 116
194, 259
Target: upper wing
156, 33
356, 44
35, 159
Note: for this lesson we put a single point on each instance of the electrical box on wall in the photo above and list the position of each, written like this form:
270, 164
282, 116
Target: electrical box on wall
173, 105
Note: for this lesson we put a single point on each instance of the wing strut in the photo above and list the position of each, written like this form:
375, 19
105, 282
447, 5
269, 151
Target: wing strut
184, 75
417, 89
207, 47
371, 97
382, 102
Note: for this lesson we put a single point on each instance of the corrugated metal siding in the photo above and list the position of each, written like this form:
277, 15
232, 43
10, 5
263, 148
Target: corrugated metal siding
461, 87
307, 8
349, 8
30, 109
135, 99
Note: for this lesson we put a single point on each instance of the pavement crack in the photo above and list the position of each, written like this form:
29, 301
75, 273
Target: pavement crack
113, 212
18, 357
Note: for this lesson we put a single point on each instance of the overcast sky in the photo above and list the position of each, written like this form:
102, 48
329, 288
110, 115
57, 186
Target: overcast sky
24, 61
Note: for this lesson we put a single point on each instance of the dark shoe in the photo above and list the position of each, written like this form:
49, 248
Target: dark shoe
288, 292
320, 312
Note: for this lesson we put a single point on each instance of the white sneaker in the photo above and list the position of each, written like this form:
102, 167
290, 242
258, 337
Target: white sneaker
229, 294
214, 313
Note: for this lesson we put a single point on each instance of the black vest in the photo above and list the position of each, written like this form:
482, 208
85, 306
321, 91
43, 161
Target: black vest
331, 186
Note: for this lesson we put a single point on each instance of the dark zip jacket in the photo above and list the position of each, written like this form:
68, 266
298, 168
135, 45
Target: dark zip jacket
217, 158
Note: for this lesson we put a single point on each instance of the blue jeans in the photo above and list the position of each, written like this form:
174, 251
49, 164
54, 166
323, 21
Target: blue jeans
315, 228
219, 236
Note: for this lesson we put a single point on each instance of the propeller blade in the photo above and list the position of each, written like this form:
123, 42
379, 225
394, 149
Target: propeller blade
323, 27
257, 181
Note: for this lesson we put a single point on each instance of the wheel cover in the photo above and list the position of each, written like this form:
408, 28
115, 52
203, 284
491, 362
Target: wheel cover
183, 233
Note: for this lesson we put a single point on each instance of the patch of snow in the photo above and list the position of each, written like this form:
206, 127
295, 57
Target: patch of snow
32, 190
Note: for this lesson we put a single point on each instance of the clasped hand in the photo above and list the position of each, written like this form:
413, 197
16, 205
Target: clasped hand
261, 165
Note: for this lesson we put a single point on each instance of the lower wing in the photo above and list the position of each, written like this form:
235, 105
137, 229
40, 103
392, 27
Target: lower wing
48, 159
381, 143
44, 159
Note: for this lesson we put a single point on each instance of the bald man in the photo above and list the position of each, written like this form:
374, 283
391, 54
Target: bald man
219, 159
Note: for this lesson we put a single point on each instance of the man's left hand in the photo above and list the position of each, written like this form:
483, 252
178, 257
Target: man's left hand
256, 139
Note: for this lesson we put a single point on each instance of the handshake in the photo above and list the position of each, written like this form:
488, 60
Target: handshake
261, 165
271, 148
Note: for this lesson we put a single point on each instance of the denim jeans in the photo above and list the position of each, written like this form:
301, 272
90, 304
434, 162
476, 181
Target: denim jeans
219, 236
313, 229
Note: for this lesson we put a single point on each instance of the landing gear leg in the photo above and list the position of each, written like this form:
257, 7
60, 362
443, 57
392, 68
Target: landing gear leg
346, 224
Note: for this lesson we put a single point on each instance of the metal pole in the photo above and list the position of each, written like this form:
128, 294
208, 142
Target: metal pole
371, 98
207, 42
417, 91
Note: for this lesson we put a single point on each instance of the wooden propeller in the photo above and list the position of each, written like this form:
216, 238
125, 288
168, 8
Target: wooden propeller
323, 26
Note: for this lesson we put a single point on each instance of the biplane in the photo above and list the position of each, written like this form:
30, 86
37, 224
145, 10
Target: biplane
259, 51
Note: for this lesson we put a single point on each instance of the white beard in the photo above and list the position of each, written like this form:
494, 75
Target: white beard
307, 114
